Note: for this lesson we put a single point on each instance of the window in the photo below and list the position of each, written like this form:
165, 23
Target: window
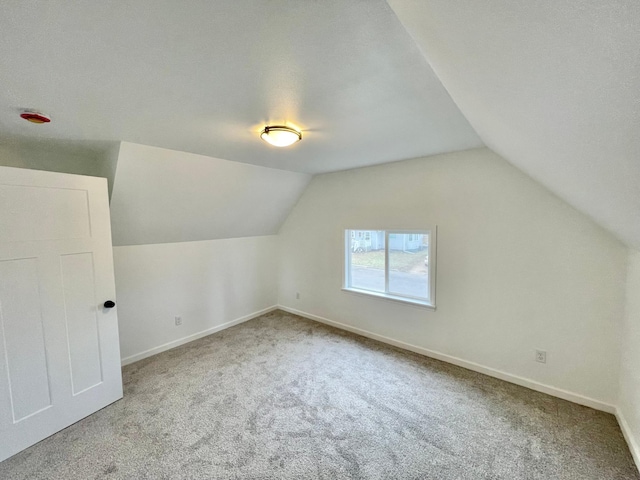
393, 264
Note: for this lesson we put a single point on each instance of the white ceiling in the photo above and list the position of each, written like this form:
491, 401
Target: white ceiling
204, 77
551, 85
162, 196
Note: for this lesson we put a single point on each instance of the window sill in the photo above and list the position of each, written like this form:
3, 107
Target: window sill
393, 298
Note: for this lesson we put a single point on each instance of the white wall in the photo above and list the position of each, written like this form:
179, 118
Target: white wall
109, 164
629, 401
554, 110
164, 195
53, 157
208, 283
517, 268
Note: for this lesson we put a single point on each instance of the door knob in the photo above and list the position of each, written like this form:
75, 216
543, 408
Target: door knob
109, 304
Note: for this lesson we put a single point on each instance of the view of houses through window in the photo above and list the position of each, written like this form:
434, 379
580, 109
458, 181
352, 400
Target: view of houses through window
407, 271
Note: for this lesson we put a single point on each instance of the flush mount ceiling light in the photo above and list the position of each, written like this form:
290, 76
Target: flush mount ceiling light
280, 136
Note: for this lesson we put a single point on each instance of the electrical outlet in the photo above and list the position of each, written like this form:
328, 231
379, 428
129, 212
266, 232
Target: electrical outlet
297, 295
541, 356
178, 321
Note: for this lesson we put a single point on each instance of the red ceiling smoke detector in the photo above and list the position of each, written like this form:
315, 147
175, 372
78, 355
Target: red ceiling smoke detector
35, 117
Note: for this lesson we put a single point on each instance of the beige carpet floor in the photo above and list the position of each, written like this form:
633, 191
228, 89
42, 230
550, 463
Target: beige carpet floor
281, 397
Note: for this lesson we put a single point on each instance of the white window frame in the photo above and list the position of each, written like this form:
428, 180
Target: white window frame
387, 295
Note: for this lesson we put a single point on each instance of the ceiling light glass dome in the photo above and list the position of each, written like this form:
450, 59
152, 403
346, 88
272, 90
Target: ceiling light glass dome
280, 136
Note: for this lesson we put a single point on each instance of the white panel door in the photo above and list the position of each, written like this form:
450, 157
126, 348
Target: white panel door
59, 350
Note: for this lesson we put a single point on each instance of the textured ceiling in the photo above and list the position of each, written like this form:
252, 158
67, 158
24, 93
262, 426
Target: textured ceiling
203, 77
551, 85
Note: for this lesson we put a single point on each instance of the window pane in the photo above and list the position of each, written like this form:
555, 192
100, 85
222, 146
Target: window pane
367, 260
409, 265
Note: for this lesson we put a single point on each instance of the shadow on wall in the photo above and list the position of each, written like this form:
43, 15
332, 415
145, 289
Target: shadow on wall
79, 158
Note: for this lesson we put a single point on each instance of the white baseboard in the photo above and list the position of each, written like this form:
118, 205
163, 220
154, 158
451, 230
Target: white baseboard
195, 336
524, 382
628, 436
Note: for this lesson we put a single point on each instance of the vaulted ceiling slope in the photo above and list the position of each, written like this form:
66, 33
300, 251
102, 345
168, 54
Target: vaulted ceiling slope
163, 196
205, 76
551, 85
